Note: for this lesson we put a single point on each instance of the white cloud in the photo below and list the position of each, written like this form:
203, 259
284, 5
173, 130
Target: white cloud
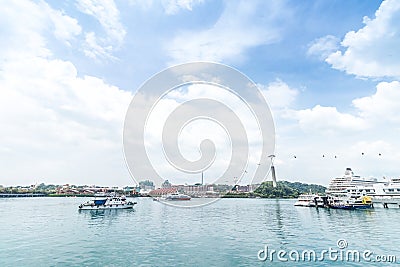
323, 47
383, 105
107, 14
23, 37
278, 94
56, 126
65, 27
174, 6
239, 27
171, 7
325, 140
372, 149
27, 37
60, 126
328, 119
143, 4
370, 113
193, 133
95, 50
63, 120
380, 156
372, 51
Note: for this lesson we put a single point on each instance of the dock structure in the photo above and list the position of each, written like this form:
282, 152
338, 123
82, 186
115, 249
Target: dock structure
10, 195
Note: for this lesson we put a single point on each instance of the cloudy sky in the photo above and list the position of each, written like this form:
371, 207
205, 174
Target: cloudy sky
329, 70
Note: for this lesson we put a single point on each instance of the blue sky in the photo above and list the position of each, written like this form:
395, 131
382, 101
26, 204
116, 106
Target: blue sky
328, 69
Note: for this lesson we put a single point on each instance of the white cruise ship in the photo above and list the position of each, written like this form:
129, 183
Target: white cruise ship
350, 183
386, 193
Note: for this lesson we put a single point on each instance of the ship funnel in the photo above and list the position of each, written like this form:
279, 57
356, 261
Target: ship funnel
348, 172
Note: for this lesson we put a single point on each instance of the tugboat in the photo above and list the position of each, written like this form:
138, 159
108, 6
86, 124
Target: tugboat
107, 202
364, 202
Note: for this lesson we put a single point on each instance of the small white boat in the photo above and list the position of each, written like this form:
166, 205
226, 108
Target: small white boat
107, 202
177, 196
308, 200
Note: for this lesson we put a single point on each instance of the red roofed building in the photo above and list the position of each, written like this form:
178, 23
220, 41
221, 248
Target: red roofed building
162, 191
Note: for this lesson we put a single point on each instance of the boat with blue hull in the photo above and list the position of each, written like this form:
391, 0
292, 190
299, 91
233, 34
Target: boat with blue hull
364, 202
107, 202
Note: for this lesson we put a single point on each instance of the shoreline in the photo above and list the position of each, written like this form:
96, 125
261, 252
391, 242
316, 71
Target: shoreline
35, 195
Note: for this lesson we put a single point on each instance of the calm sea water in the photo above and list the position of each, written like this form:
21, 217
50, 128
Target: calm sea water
230, 232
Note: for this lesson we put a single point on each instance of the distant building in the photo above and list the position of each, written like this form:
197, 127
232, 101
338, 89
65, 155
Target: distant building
198, 190
166, 184
245, 188
162, 192
147, 187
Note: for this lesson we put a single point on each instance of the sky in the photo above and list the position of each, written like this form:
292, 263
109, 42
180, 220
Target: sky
329, 71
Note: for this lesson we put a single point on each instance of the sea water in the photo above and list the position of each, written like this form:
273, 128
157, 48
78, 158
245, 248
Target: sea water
229, 232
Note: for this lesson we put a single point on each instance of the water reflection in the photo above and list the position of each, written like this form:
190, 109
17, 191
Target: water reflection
104, 217
278, 216
275, 219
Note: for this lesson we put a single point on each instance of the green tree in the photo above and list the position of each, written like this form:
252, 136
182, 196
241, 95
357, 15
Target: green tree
286, 189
